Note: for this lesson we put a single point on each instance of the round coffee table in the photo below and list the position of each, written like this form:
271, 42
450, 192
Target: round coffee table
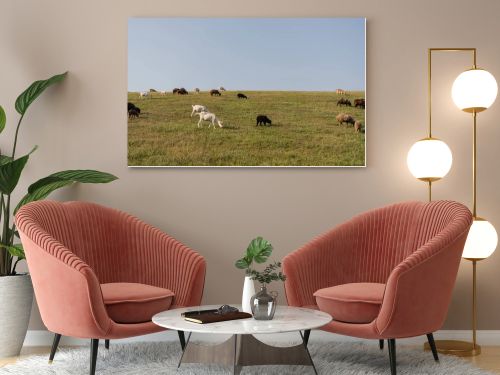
242, 348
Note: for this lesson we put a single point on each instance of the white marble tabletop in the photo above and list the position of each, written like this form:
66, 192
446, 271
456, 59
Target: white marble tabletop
286, 319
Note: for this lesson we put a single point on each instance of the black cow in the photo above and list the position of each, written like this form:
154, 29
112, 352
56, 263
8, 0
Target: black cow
182, 91
132, 110
263, 120
242, 96
215, 93
175, 91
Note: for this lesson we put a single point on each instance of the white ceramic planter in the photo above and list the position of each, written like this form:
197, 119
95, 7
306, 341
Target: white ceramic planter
248, 292
16, 298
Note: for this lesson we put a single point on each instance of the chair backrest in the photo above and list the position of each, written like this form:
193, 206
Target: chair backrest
388, 235
94, 233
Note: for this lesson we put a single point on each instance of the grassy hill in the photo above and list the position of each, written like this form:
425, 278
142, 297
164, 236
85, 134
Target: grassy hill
304, 131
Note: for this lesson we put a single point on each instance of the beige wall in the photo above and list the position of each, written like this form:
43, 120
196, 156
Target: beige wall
82, 124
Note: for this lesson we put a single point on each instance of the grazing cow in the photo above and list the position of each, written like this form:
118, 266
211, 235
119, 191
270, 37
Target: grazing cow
215, 93
342, 117
197, 108
182, 91
263, 120
197, 90
358, 126
207, 116
143, 94
174, 91
242, 96
132, 110
359, 103
222, 88
345, 102
340, 92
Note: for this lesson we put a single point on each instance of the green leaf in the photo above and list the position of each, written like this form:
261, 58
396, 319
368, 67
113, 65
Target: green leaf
43, 187
10, 172
34, 91
3, 119
259, 250
242, 263
15, 250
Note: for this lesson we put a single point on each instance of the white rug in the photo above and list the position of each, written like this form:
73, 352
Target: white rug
161, 358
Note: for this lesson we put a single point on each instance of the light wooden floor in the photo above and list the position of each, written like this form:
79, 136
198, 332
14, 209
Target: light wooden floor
488, 360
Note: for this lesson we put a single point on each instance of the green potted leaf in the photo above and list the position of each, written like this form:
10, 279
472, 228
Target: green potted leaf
258, 251
16, 291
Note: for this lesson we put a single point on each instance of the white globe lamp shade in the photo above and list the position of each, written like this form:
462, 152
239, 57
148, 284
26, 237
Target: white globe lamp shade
429, 159
474, 90
481, 241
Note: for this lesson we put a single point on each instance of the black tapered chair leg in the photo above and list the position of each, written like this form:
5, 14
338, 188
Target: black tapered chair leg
55, 344
182, 339
94, 346
392, 355
381, 344
307, 333
106, 344
432, 344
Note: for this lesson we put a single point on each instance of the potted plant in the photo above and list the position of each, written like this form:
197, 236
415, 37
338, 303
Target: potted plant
16, 291
258, 251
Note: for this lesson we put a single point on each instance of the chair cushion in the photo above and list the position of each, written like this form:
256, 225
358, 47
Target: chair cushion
351, 303
135, 303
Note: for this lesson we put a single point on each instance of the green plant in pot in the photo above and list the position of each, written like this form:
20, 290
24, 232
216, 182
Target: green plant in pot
16, 291
262, 305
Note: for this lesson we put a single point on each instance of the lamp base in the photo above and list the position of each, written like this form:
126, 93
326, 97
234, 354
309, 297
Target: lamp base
456, 348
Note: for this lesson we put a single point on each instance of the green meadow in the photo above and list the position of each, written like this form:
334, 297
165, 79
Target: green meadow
304, 130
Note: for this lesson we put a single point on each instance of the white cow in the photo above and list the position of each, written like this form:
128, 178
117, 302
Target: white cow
207, 116
163, 93
197, 108
143, 94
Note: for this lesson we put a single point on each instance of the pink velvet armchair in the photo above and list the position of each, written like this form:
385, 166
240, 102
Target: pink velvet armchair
99, 273
385, 274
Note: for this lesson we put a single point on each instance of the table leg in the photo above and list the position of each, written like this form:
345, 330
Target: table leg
246, 350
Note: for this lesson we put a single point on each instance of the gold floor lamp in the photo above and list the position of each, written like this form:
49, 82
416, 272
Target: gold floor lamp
430, 159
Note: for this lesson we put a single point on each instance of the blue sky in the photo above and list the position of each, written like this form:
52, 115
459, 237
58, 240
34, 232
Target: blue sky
303, 54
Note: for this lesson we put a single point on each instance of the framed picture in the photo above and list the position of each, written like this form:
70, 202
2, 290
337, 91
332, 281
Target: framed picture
246, 92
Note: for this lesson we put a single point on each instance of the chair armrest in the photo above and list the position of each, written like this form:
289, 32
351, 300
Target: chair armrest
67, 290
419, 289
321, 263
165, 262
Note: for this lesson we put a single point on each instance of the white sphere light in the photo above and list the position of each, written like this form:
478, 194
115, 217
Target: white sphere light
429, 159
481, 241
474, 90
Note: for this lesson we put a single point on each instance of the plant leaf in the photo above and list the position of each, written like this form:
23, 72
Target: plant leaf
10, 172
15, 250
43, 187
3, 119
242, 263
259, 249
29, 95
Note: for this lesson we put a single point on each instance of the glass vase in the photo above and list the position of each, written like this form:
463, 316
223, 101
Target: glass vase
263, 304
